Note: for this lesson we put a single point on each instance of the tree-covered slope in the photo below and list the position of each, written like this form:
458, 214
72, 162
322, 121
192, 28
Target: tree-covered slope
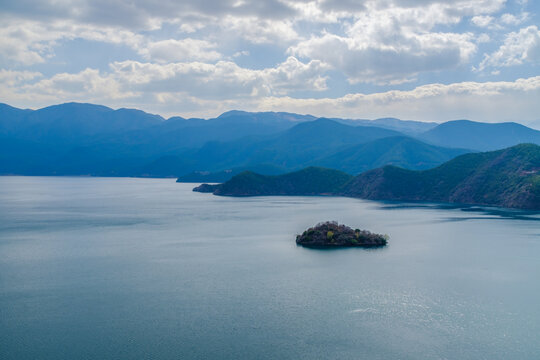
309, 181
507, 178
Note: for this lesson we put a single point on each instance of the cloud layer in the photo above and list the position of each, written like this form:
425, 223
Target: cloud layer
428, 59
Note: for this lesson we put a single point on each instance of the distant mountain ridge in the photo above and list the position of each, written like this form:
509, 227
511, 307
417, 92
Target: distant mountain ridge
323, 143
400, 151
88, 139
480, 136
507, 178
408, 127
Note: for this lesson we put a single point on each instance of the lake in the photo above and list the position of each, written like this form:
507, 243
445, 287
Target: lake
121, 268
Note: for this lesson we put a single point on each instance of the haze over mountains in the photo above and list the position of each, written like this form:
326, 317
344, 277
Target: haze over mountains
86, 139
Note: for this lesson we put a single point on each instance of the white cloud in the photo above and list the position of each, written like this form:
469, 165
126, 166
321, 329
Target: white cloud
292, 75
383, 57
166, 89
12, 77
88, 83
222, 80
482, 20
241, 53
31, 42
172, 50
511, 19
518, 47
191, 27
385, 42
483, 38
259, 31
389, 42
141, 14
136, 80
490, 102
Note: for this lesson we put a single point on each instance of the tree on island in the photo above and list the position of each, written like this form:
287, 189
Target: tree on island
332, 234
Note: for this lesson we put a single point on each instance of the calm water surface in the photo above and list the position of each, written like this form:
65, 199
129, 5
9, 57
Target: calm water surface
116, 268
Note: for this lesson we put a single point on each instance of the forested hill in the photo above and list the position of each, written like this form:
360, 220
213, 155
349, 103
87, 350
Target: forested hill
508, 178
309, 181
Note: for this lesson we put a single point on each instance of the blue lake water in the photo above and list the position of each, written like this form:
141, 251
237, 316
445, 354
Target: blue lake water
119, 268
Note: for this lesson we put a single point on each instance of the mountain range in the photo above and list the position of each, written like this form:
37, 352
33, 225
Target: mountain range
87, 139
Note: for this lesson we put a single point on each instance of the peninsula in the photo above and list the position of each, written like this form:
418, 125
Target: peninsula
309, 181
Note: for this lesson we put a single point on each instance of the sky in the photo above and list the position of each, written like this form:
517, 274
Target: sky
425, 60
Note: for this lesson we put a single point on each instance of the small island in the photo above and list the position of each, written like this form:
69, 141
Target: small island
331, 234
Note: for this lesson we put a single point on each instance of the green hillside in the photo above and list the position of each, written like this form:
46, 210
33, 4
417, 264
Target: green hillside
507, 178
309, 181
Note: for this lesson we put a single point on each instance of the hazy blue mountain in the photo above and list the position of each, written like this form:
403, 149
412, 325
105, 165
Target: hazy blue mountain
265, 117
225, 175
289, 149
75, 122
9, 113
399, 151
177, 135
77, 139
314, 139
409, 127
480, 136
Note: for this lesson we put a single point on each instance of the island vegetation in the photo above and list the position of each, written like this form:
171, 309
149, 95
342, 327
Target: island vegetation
331, 234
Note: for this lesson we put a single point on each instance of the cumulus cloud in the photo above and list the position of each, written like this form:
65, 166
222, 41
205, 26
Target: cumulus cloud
12, 77
193, 55
504, 21
89, 84
482, 20
141, 14
260, 31
133, 79
222, 80
391, 42
489, 101
511, 19
166, 89
518, 47
172, 50
380, 53
31, 29
30, 42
